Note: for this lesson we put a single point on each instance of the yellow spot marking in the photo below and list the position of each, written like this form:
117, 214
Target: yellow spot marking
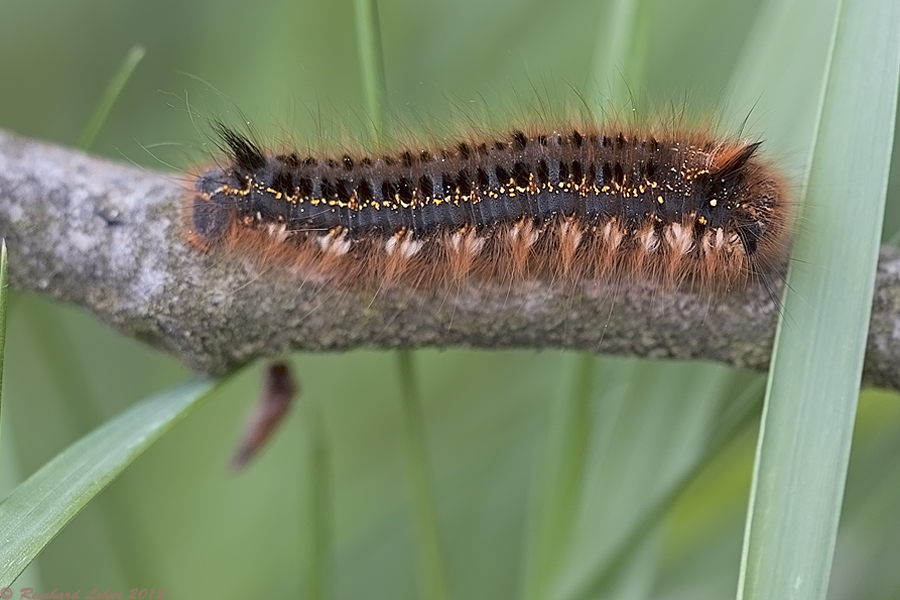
659, 199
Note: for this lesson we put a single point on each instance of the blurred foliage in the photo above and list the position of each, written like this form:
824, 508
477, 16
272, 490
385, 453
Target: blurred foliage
178, 520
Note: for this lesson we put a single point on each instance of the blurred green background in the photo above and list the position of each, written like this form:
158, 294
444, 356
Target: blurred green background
178, 520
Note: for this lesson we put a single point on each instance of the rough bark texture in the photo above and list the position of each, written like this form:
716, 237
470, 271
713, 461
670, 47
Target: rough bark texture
111, 238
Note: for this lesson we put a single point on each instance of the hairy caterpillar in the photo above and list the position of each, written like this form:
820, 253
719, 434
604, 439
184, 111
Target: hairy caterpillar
671, 208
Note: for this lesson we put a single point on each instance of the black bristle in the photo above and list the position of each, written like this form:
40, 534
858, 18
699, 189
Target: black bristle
365, 192
521, 174
245, 155
577, 138
519, 140
283, 183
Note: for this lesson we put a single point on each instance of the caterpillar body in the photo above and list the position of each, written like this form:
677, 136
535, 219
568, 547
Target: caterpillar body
573, 204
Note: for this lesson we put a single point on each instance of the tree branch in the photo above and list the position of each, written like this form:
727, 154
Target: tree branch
111, 238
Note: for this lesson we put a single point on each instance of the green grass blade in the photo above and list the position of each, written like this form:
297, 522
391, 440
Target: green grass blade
4, 296
434, 578
431, 555
558, 486
110, 95
739, 414
807, 426
36, 510
647, 434
316, 519
3, 300
620, 60
371, 60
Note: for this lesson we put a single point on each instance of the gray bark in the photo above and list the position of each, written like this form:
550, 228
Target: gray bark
111, 238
